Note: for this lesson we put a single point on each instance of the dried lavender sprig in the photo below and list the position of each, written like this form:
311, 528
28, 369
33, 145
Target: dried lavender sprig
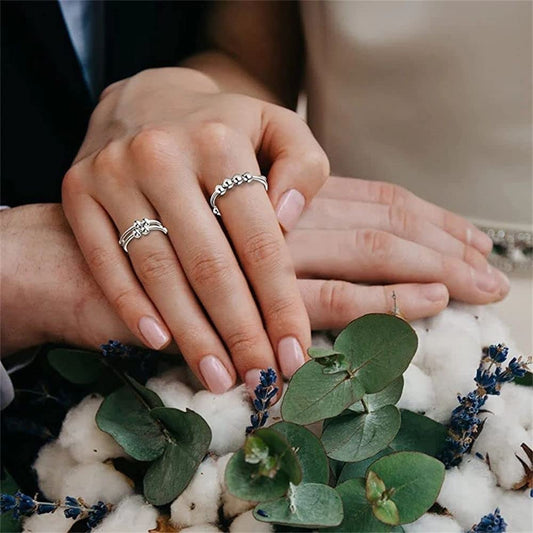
23, 505
264, 392
492, 522
465, 424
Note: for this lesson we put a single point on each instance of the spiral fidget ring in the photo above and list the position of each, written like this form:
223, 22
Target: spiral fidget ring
139, 229
228, 184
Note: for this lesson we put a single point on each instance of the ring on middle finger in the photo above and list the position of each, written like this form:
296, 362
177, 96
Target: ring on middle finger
238, 179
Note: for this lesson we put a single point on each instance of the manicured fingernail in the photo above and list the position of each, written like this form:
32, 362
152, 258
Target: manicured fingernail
435, 292
251, 379
290, 356
290, 208
484, 281
215, 374
154, 334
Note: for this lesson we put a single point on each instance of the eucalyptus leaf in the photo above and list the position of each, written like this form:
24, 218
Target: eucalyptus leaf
354, 437
308, 450
149, 396
379, 347
313, 395
387, 512
308, 504
358, 515
255, 450
77, 366
419, 433
388, 396
359, 468
190, 436
374, 487
416, 479
318, 353
244, 479
126, 417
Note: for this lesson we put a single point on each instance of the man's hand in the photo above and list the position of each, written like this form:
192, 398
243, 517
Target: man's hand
48, 293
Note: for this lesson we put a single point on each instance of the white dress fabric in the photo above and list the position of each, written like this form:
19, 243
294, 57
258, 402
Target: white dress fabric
434, 96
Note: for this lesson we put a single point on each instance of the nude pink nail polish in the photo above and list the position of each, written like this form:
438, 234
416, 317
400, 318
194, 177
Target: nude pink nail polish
154, 334
215, 374
290, 208
290, 356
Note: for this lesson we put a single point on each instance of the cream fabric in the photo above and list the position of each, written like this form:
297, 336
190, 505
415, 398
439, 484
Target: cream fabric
435, 96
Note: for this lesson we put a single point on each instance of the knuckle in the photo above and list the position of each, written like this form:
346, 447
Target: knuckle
316, 163
336, 297
245, 340
126, 299
214, 136
208, 270
99, 258
156, 266
262, 248
282, 309
399, 220
73, 182
151, 145
108, 160
376, 243
390, 194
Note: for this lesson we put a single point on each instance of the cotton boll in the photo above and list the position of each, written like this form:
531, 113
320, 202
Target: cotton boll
201, 528
231, 505
45, 523
51, 465
94, 482
501, 439
519, 402
173, 393
227, 414
246, 523
434, 523
516, 510
492, 330
132, 514
418, 392
469, 492
321, 340
80, 434
198, 503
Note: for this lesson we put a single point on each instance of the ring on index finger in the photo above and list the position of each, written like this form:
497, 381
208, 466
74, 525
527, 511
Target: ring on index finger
238, 179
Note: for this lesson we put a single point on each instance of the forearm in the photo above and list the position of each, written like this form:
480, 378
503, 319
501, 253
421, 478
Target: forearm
254, 48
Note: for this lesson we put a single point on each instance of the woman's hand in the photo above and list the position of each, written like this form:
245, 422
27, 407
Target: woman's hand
373, 232
157, 145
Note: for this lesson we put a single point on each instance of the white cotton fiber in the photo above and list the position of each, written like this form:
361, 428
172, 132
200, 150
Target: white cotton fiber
201, 528
94, 482
469, 491
433, 523
418, 391
198, 503
246, 523
80, 434
227, 414
173, 393
231, 505
501, 439
48, 523
519, 404
132, 514
51, 466
517, 510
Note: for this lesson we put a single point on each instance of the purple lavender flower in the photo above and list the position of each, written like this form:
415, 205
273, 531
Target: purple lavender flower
498, 353
264, 392
492, 522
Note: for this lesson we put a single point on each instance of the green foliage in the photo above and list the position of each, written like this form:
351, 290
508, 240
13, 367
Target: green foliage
359, 468
309, 451
263, 469
414, 481
306, 505
388, 396
77, 366
188, 440
174, 440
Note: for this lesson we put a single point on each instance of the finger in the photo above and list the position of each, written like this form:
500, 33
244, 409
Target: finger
162, 277
298, 165
332, 304
390, 194
254, 231
328, 213
373, 256
212, 271
97, 238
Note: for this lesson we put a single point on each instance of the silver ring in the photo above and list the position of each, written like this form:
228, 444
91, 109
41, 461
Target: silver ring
138, 229
228, 184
